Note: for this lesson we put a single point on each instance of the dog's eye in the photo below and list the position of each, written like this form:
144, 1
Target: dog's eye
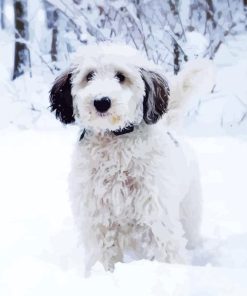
90, 76
120, 76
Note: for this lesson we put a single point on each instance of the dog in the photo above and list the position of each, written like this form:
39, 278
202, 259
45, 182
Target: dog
134, 185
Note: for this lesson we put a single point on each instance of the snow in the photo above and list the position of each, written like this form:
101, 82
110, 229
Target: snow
39, 250
196, 44
223, 111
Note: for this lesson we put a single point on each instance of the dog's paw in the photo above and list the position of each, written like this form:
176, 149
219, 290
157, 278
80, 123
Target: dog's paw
108, 266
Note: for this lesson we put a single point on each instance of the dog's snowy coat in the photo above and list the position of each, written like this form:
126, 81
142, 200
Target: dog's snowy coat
134, 187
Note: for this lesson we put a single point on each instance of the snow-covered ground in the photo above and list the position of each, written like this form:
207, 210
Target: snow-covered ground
39, 254
38, 243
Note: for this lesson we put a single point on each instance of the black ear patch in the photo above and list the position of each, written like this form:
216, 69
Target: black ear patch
61, 98
156, 97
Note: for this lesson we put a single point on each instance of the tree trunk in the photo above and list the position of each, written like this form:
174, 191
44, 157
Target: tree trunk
52, 16
176, 57
210, 13
54, 39
174, 6
49, 9
2, 14
22, 54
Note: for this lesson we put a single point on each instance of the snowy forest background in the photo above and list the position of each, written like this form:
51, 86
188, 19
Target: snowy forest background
39, 250
37, 39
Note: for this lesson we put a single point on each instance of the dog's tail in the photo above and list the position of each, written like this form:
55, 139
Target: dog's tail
196, 79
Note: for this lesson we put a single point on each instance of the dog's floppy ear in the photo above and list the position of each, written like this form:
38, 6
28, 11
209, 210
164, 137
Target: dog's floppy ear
61, 98
156, 96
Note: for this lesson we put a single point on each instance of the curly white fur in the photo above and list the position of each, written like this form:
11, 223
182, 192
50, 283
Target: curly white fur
137, 193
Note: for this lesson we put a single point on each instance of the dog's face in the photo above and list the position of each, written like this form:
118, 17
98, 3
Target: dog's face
109, 90
107, 95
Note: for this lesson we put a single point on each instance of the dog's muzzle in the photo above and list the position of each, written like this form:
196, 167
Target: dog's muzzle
102, 105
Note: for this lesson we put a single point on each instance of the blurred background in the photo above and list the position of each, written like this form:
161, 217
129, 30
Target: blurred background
38, 37
39, 251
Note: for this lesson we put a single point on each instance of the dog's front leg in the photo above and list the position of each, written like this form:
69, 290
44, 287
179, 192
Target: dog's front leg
109, 250
170, 241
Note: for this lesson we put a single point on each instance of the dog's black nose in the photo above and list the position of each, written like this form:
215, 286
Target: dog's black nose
102, 105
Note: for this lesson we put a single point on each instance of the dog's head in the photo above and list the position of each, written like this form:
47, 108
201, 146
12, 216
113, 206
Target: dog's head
110, 87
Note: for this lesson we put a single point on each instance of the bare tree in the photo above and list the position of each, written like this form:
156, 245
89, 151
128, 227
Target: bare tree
245, 12
52, 16
54, 39
2, 14
210, 13
178, 31
22, 55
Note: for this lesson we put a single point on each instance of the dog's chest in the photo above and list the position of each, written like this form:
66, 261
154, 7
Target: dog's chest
119, 173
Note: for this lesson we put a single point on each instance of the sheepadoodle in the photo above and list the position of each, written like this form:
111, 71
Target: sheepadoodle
134, 185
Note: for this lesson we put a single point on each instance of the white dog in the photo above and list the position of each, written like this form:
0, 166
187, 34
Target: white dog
134, 186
